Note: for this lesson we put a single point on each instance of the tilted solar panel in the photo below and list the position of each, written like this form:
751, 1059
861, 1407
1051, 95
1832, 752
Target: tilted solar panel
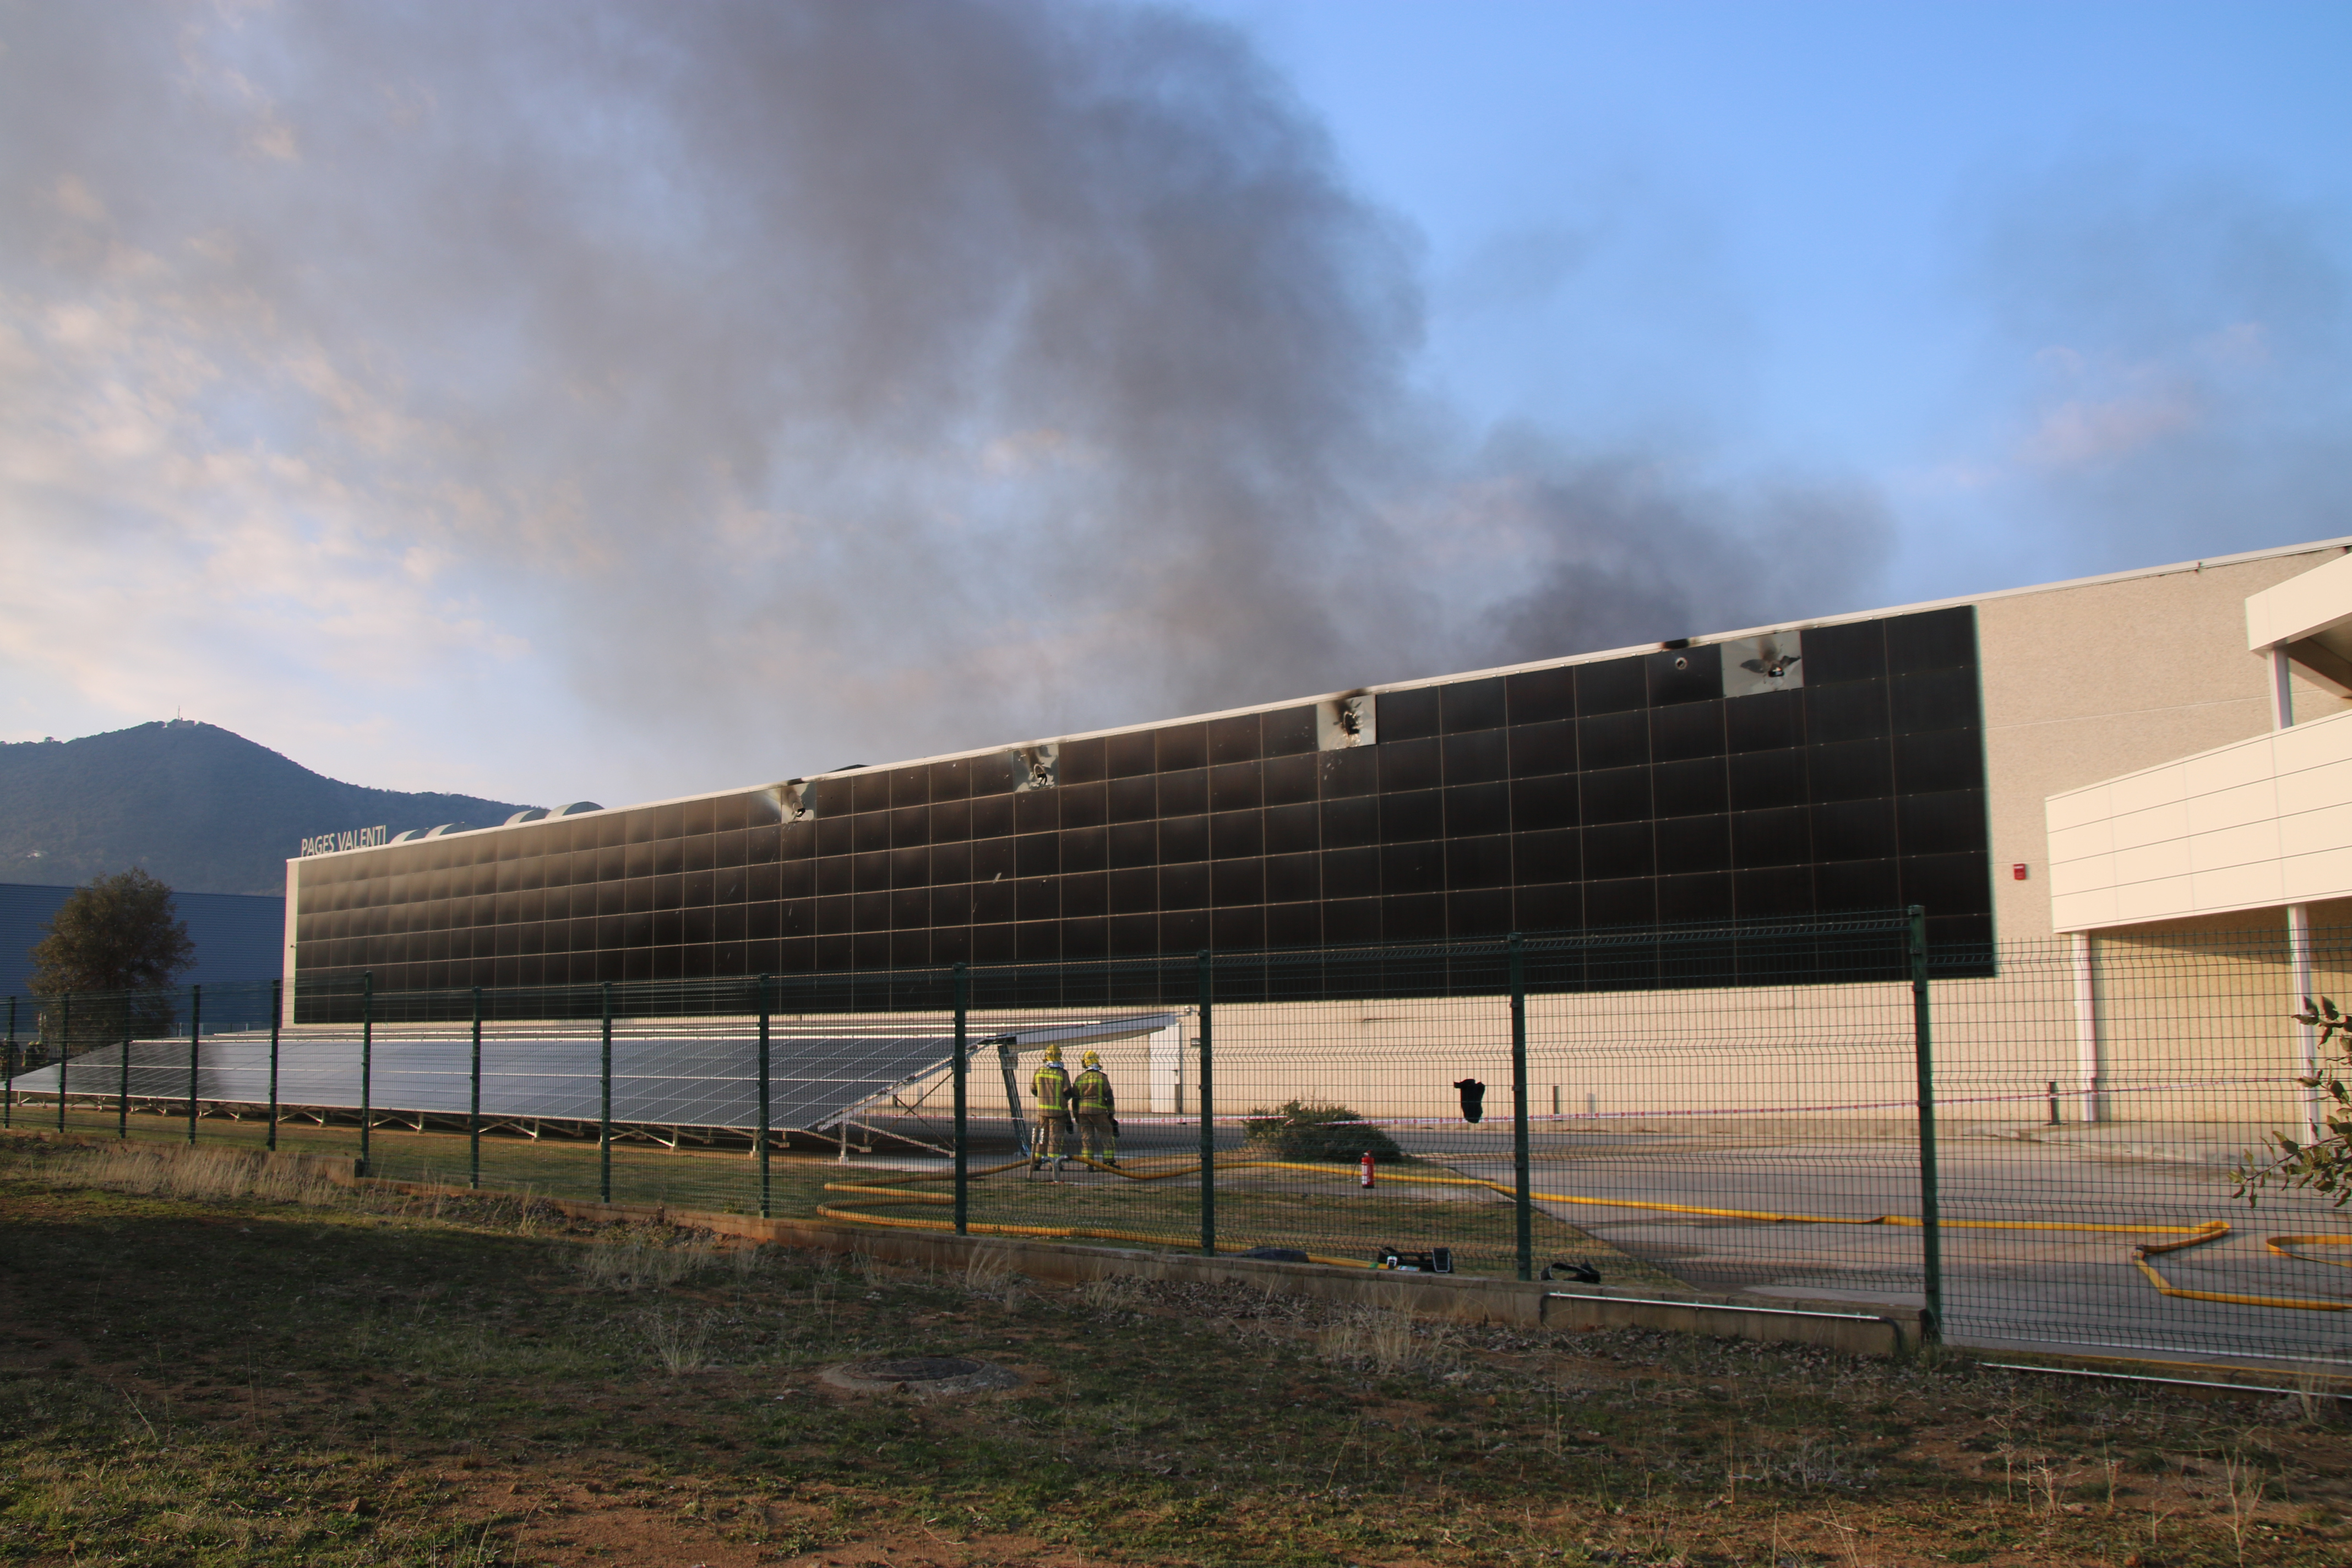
671, 1080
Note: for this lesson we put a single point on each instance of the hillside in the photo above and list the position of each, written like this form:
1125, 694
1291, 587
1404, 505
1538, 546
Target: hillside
205, 810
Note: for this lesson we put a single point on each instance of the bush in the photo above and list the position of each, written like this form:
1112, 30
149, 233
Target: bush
2323, 1166
1297, 1130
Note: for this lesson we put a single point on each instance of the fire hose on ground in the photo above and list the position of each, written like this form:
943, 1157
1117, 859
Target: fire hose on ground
893, 1193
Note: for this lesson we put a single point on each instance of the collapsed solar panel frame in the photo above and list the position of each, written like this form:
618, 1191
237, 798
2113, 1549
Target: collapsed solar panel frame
702, 1078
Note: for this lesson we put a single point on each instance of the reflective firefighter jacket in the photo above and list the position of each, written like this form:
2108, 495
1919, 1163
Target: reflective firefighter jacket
1093, 1089
1052, 1088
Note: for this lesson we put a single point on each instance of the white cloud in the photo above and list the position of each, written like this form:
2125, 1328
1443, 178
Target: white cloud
2080, 431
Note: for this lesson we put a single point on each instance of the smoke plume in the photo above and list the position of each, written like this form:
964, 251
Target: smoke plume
691, 393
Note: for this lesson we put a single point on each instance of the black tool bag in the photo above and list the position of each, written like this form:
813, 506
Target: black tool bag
1436, 1260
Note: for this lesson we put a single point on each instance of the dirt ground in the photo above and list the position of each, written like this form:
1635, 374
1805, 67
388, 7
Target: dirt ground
196, 1369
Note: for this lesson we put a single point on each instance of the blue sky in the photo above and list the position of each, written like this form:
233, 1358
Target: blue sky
617, 401
1772, 228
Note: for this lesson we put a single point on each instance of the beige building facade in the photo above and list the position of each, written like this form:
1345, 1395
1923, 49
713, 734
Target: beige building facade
2126, 800
2168, 758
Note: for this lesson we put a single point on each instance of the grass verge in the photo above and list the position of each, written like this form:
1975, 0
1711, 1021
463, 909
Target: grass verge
204, 1373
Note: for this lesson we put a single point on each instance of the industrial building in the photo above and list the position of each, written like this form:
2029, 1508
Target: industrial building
2001, 760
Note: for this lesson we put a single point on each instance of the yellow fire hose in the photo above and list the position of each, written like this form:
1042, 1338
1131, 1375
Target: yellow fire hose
893, 1193
2282, 1244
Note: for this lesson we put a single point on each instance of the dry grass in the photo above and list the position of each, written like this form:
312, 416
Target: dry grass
2245, 1485
2315, 1398
680, 1341
401, 1379
746, 1265
1111, 1292
989, 1273
633, 1260
1385, 1341
196, 1175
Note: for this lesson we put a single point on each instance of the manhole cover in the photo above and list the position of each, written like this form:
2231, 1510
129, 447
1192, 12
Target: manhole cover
930, 1375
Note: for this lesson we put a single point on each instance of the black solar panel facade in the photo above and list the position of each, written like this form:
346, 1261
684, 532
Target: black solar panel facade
1626, 792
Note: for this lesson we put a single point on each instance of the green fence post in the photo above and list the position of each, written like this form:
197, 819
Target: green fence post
65, 1049
277, 1020
195, 1036
122, 1095
1931, 1239
1523, 1191
9, 1093
765, 1112
604, 1116
1205, 985
474, 1102
367, 1063
962, 1164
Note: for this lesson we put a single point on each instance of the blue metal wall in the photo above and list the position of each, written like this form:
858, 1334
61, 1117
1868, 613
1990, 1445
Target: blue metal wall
237, 936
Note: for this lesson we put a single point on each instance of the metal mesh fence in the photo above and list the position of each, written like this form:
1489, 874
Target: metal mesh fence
2035, 1142
2096, 1096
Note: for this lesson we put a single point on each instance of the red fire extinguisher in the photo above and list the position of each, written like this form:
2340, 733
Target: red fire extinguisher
1364, 1171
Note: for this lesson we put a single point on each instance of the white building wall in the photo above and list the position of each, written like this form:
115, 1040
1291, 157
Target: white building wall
2264, 822
2086, 681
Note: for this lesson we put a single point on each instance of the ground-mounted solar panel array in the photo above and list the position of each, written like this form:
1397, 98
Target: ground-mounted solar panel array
703, 1075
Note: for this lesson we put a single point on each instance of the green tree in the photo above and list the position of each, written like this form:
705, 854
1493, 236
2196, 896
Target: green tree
2323, 1166
119, 933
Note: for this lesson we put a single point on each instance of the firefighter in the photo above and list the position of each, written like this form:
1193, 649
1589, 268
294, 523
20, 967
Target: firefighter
1098, 1125
1052, 1088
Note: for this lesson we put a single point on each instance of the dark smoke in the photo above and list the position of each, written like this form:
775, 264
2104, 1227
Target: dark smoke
809, 380
1624, 550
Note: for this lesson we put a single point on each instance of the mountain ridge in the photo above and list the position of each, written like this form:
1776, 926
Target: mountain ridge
201, 807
